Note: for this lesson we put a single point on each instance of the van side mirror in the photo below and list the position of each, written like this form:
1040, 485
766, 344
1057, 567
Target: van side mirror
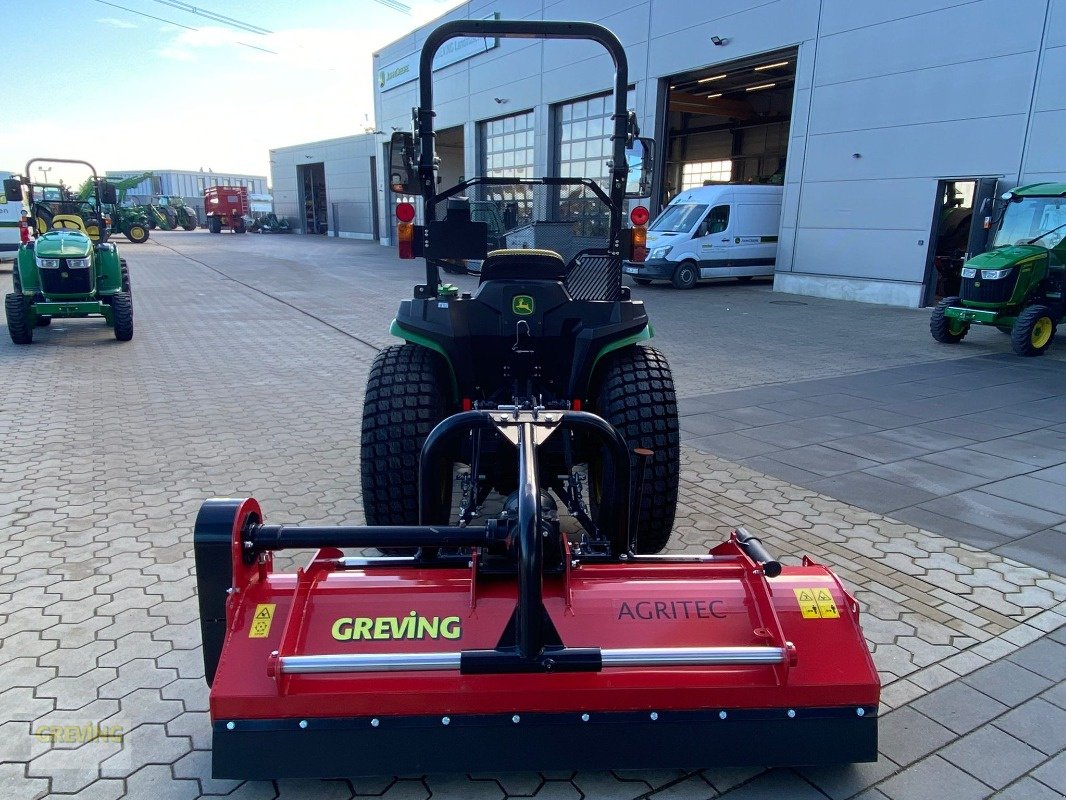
13, 190
403, 178
108, 193
640, 156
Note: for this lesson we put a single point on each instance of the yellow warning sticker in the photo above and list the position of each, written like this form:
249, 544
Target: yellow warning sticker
826, 606
264, 615
816, 604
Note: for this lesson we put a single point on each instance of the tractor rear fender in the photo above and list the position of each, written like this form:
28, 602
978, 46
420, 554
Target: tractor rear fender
425, 341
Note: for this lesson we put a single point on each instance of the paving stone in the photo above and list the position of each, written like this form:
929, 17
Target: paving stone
1007, 682
14, 785
992, 756
1028, 789
870, 492
847, 780
1038, 723
959, 707
930, 779
156, 782
904, 736
1045, 657
1053, 774
775, 784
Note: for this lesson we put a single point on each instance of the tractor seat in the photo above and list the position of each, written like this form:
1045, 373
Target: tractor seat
542, 265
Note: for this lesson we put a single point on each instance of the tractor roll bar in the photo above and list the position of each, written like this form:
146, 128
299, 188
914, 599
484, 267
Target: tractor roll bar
525, 29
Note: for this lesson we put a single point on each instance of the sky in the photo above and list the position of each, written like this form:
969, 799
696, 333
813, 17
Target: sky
94, 81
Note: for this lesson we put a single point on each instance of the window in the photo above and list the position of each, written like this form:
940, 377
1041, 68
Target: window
695, 173
716, 222
507, 152
200, 185
583, 139
507, 147
157, 185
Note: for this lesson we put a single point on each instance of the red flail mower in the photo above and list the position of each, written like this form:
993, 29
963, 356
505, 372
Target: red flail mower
504, 647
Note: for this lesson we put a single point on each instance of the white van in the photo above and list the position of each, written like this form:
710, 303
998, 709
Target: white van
10, 221
723, 231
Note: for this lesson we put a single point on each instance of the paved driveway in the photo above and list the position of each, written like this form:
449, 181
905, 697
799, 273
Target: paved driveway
246, 377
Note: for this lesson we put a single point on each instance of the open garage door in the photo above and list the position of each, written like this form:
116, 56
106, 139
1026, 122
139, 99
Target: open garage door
728, 123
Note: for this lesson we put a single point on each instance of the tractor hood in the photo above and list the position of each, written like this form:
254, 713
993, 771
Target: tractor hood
1005, 257
63, 244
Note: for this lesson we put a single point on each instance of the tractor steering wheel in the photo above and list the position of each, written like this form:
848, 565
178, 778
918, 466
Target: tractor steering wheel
65, 224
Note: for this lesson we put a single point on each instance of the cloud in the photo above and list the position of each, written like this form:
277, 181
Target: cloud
116, 23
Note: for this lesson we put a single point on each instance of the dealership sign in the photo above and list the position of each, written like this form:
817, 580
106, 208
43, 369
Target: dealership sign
451, 52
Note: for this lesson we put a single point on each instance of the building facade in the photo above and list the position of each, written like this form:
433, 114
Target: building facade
190, 185
880, 120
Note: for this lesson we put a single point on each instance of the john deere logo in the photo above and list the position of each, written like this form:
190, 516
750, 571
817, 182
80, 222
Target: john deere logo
522, 305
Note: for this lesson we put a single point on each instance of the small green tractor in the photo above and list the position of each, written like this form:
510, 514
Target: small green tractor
1017, 285
69, 270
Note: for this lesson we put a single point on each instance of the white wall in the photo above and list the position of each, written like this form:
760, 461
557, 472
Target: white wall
351, 190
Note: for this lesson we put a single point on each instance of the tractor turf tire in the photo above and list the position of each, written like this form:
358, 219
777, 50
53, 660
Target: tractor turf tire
137, 233
635, 394
405, 399
17, 325
125, 270
122, 311
686, 276
940, 325
1034, 331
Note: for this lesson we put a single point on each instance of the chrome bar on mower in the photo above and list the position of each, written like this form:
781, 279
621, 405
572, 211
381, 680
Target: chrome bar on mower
622, 657
368, 662
691, 656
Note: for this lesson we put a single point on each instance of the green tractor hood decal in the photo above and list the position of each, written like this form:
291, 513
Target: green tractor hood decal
63, 244
1004, 257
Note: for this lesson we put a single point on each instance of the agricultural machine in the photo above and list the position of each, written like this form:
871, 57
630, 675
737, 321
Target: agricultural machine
227, 207
69, 269
1016, 286
270, 223
520, 468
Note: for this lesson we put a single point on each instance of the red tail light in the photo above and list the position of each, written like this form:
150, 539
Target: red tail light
405, 238
405, 231
639, 216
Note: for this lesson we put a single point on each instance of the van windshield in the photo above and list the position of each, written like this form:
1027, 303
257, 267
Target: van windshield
679, 219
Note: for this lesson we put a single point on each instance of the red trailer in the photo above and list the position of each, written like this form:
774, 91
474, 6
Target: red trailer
226, 206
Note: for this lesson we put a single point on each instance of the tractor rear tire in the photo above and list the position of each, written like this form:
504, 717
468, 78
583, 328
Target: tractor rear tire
406, 396
686, 275
944, 329
635, 393
18, 324
1033, 331
137, 233
189, 226
122, 311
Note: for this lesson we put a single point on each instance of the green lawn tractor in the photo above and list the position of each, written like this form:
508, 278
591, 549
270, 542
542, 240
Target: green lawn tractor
1017, 285
130, 222
68, 270
549, 330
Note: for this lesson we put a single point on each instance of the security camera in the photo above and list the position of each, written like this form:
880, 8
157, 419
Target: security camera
718, 41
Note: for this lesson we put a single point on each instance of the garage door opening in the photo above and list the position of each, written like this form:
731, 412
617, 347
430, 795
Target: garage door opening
728, 123
450, 151
961, 220
311, 179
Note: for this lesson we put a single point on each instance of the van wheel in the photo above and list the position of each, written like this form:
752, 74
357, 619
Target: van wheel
685, 275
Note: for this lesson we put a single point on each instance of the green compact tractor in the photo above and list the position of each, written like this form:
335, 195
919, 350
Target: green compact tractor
550, 330
130, 222
68, 270
1017, 285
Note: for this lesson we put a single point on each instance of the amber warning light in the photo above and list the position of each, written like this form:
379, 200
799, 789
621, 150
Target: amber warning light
405, 230
639, 216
